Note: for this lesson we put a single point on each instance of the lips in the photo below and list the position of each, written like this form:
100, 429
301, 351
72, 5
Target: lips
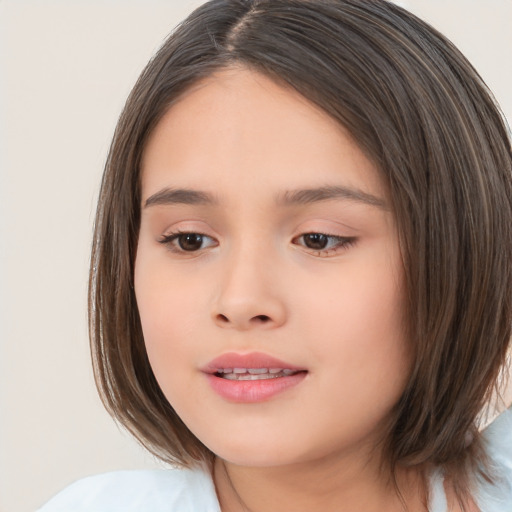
253, 373
249, 378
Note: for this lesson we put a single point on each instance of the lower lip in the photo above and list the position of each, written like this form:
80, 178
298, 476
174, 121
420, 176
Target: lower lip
253, 391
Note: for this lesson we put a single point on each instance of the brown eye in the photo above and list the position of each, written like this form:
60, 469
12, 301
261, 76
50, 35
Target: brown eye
187, 242
317, 241
190, 241
325, 245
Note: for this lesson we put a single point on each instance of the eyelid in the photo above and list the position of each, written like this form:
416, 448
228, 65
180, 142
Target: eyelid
336, 243
169, 238
343, 244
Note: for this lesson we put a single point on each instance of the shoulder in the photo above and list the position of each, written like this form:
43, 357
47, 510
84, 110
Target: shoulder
498, 438
497, 497
169, 490
489, 497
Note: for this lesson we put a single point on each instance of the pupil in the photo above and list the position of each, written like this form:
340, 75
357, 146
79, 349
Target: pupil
190, 241
315, 241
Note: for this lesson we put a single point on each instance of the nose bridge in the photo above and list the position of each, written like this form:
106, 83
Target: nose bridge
249, 295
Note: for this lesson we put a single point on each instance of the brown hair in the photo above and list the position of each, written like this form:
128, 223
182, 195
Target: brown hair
423, 115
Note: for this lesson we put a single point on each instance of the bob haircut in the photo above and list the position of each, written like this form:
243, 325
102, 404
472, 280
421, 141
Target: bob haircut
424, 117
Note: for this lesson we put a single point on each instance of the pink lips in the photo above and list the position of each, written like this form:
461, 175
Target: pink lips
237, 389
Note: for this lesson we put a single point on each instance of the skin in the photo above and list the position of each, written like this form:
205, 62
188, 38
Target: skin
255, 285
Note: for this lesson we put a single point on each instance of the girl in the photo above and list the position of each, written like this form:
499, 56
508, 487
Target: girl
301, 277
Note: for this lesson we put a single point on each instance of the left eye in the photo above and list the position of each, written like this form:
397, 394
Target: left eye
323, 242
187, 242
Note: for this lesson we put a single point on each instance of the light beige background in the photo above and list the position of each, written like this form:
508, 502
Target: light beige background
65, 69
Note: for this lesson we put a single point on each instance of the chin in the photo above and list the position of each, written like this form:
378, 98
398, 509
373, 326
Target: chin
254, 460
269, 453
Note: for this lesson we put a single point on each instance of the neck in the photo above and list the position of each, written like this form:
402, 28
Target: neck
329, 485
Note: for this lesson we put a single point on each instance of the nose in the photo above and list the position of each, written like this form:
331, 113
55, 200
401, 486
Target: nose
250, 295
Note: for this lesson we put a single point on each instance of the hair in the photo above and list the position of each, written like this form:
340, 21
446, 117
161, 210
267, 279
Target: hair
425, 118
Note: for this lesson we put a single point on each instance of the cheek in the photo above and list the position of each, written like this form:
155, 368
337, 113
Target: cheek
365, 302
168, 311
361, 325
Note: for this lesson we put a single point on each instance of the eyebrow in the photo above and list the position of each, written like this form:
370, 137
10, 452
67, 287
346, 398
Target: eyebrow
169, 196
330, 192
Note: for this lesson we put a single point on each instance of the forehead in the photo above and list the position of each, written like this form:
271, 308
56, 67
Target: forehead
239, 127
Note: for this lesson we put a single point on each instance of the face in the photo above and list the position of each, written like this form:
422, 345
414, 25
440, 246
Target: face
268, 275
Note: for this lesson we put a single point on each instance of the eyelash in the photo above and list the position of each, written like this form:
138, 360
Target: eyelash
171, 239
340, 243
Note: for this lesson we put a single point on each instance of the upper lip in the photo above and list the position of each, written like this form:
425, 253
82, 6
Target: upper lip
251, 360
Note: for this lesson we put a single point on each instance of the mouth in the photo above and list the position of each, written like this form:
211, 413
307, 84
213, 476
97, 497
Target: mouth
254, 373
250, 378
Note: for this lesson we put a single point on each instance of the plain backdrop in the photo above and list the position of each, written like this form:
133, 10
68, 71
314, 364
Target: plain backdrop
66, 68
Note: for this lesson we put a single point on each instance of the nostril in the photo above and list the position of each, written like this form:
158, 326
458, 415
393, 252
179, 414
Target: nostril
261, 318
242, 321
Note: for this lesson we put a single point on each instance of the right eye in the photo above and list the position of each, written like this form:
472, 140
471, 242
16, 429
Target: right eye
187, 241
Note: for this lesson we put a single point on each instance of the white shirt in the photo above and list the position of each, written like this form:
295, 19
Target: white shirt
185, 490
166, 490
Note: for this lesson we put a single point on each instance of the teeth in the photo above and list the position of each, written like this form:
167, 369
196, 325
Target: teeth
254, 373
257, 371
248, 376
